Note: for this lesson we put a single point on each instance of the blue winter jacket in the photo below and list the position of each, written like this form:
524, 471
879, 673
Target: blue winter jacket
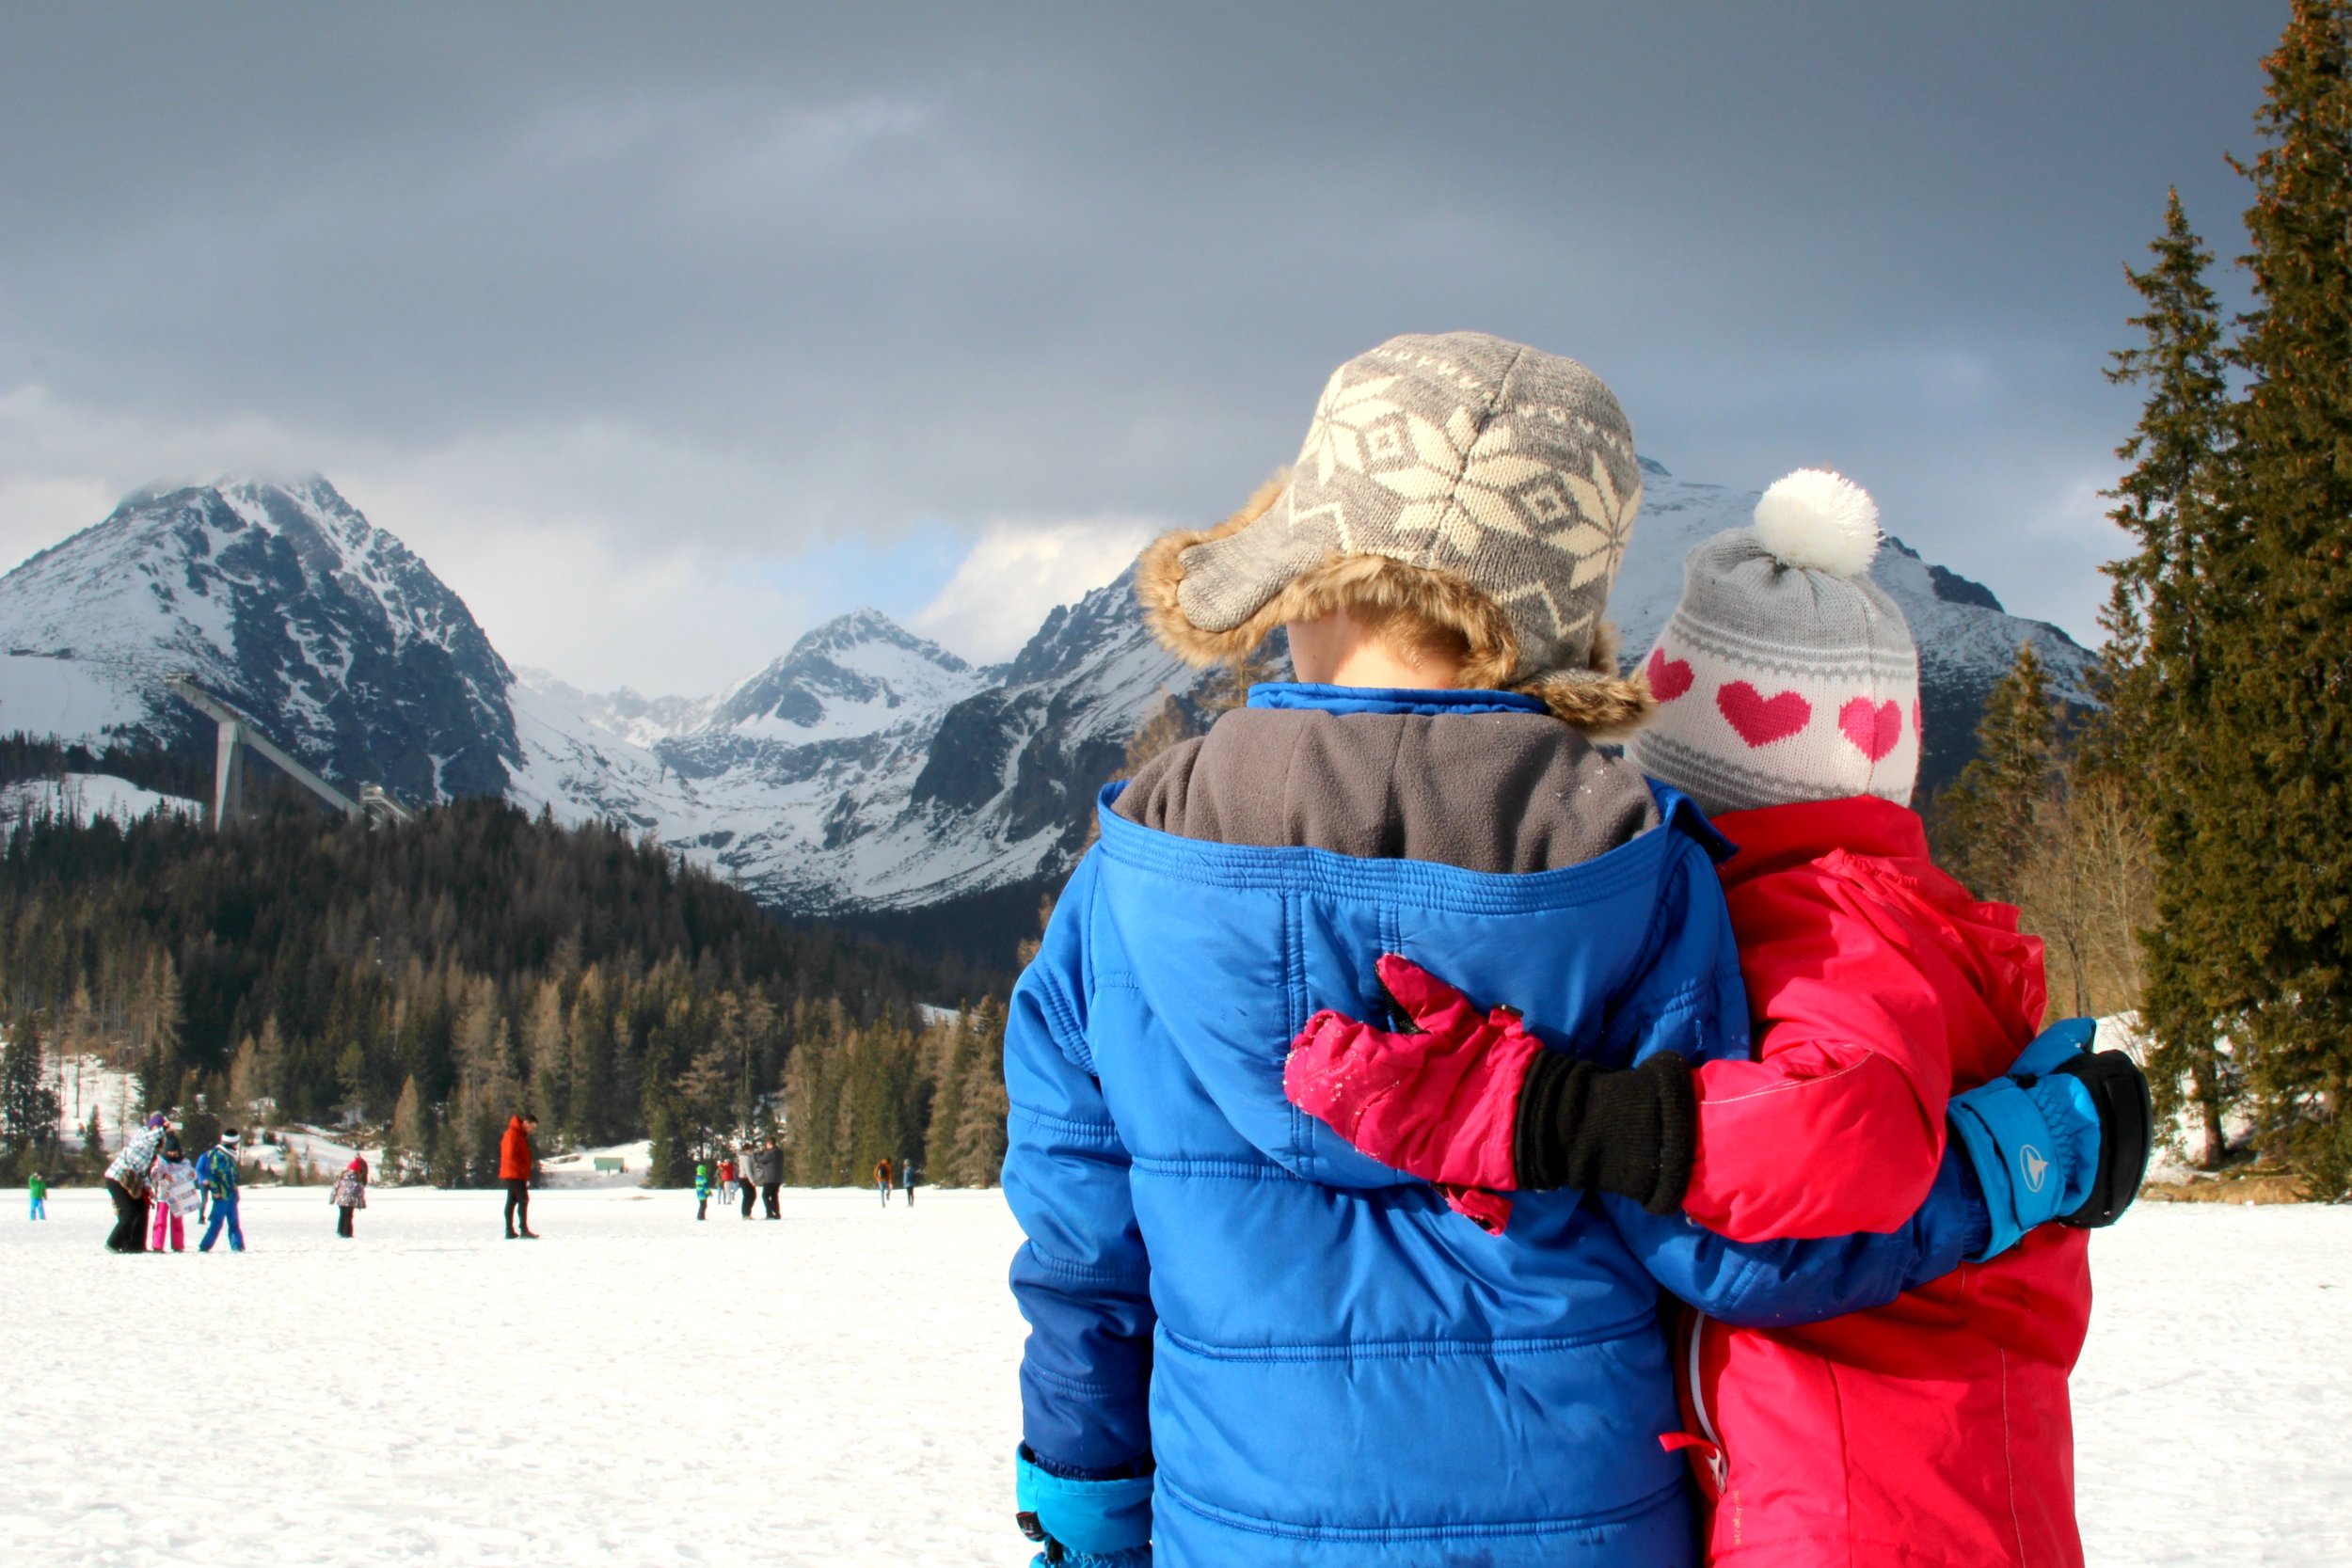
1327, 1365
216, 1173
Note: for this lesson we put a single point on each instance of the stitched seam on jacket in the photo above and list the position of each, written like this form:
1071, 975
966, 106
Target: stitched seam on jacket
1690, 997
1093, 1273
1214, 1169
1411, 1350
2009, 1460
1084, 1131
1751, 1267
1302, 1128
1789, 1086
1423, 883
1070, 1037
1859, 1547
1074, 1387
1571, 1524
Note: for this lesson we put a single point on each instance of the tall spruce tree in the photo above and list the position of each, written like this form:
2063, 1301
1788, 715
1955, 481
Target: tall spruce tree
1988, 822
2276, 832
405, 1142
979, 1130
29, 1107
2177, 588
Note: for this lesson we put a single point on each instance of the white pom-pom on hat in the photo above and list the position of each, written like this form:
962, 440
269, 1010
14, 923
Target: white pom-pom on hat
1820, 521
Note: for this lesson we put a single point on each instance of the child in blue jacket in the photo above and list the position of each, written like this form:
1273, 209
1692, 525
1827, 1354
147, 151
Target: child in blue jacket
1249, 1343
217, 1175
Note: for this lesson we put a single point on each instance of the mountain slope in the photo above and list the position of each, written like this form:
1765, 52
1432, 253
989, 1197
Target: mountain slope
1966, 640
783, 780
867, 769
285, 600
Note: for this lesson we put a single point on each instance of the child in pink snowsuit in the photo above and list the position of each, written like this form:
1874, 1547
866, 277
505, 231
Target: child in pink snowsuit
173, 1180
1891, 1009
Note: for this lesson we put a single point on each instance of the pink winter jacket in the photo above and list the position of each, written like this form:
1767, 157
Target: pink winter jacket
1934, 1430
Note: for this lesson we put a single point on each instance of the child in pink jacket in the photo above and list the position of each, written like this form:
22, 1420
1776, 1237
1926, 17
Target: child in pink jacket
171, 1180
1887, 1005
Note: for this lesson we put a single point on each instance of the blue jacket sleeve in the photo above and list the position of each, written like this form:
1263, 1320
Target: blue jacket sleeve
1690, 1000
1777, 1284
1083, 1279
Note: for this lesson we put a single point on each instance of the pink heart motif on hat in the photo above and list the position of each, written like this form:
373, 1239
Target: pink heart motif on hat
1874, 729
1762, 720
1669, 678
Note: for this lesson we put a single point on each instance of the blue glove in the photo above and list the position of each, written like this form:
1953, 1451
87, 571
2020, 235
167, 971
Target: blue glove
2056, 1046
2063, 1136
1084, 1524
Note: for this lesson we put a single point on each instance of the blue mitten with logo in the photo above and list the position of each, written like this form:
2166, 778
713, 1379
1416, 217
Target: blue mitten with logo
2063, 1136
1082, 1522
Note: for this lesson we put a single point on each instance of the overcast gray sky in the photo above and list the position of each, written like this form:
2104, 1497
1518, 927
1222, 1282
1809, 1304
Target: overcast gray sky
665, 332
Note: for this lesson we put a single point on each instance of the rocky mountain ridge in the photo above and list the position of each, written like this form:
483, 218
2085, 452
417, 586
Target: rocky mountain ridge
865, 769
283, 599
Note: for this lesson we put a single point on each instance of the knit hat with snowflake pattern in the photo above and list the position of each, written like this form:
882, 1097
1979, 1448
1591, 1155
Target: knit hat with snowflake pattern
1785, 673
1477, 486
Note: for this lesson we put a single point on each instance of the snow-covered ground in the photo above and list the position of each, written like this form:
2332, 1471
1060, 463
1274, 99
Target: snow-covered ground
579, 1168
838, 1388
86, 798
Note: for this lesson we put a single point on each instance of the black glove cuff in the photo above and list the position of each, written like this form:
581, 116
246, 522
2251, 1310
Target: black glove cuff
1630, 1131
2127, 1116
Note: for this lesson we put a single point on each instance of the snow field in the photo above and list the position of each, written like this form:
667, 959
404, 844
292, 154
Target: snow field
86, 797
2211, 1400
838, 1388
632, 1389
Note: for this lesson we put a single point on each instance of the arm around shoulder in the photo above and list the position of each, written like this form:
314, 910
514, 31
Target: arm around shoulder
1777, 1284
1837, 1125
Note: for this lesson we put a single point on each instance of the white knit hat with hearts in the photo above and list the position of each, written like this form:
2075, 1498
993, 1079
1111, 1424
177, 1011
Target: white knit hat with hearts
1785, 673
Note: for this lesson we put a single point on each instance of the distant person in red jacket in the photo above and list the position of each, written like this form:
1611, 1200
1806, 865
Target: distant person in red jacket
517, 1162
1887, 1003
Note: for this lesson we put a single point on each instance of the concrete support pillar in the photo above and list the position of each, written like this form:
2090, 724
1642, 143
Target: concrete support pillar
229, 774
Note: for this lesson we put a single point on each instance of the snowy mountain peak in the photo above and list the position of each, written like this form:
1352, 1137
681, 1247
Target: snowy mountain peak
850, 676
867, 769
626, 712
843, 634
286, 600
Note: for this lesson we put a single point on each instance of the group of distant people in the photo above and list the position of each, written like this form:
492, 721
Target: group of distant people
758, 1175
761, 1174
155, 1188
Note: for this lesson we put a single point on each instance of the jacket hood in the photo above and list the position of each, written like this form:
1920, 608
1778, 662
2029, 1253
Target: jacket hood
1877, 840
1235, 946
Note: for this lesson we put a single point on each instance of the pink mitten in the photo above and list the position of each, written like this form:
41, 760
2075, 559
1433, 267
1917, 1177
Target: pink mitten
1441, 1105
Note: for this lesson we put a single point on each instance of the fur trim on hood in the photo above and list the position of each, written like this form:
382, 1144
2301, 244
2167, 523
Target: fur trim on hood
1597, 700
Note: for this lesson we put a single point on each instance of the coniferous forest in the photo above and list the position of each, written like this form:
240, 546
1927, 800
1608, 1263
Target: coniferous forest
2185, 849
427, 980
2184, 846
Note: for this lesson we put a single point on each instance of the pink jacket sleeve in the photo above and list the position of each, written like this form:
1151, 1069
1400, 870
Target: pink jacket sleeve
1837, 1125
